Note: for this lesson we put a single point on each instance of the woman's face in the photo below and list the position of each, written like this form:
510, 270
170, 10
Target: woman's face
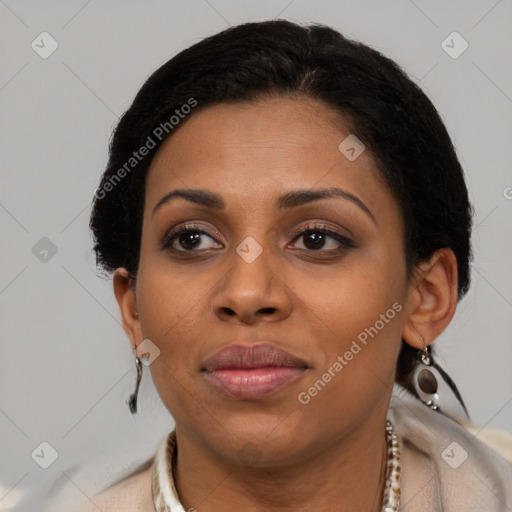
245, 276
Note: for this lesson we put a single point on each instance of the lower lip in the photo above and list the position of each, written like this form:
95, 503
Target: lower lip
253, 383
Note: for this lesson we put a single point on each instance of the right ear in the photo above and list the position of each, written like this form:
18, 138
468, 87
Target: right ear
127, 302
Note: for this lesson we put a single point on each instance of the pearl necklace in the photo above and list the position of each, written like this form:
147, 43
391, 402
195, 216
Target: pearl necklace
165, 497
393, 469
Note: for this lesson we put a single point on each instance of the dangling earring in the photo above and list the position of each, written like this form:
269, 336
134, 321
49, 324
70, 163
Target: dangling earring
436, 389
425, 380
132, 402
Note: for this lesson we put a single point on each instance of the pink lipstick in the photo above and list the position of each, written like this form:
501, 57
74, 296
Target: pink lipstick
251, 372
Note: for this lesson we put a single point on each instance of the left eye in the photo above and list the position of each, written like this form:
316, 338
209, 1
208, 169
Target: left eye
315, 239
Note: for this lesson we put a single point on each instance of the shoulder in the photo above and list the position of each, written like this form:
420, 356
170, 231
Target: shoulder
132, 493
445, 467
499, 440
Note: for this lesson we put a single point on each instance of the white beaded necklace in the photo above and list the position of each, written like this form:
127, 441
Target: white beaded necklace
165, 496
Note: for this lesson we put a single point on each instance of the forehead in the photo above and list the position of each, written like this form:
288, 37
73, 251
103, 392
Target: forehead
262, 149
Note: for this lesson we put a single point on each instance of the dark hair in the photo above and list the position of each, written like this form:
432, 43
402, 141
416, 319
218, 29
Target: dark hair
388, 112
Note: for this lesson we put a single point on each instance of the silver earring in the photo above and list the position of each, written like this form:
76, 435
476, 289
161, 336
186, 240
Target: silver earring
436, 389
425, 380
132, 402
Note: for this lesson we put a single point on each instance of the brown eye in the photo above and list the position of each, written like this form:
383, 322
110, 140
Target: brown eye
314, 240
189, 239
323, 239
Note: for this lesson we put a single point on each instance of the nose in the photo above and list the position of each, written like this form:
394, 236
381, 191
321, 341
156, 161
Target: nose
252, 292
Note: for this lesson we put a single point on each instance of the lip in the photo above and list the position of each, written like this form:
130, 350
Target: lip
251, 372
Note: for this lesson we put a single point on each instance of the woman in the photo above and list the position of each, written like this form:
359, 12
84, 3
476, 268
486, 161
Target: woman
288, 229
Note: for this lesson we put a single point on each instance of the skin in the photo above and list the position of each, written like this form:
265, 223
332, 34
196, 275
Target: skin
275, 453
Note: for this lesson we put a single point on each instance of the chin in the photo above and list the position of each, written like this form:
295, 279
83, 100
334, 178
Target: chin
256, 439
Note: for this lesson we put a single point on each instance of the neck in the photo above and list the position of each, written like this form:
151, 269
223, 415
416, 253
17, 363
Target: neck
347, 475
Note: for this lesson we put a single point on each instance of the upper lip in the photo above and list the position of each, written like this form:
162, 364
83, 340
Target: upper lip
259, 355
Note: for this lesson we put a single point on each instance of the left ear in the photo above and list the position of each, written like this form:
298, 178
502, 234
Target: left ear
432, 299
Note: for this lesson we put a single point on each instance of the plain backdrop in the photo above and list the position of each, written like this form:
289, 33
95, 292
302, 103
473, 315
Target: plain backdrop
66, 369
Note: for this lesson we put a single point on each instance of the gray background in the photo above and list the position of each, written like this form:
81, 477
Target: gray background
67, 368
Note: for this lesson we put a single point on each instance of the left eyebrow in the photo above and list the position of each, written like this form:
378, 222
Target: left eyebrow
299, 197
288, 200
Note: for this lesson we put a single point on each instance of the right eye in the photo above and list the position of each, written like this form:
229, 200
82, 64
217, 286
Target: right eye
189, 238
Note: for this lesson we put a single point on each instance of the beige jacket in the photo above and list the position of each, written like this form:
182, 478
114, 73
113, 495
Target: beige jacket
445, 468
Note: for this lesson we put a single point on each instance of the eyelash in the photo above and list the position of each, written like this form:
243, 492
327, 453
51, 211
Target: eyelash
346, 243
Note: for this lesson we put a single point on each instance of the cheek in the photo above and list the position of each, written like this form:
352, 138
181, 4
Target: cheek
169, 309
355, 297
169, 313
357, 314
357, 328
